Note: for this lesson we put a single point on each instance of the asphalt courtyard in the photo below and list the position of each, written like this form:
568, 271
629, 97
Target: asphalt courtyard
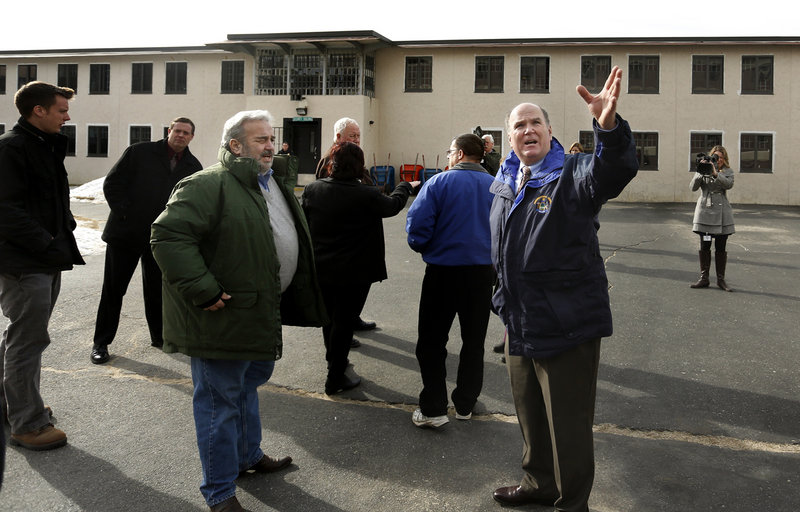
698, 405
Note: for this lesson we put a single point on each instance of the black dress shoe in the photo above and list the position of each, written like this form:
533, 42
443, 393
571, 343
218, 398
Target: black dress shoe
343, 383
355, 343
361, 325
229, 505
268, 464
100, 354
516, 495
500, 347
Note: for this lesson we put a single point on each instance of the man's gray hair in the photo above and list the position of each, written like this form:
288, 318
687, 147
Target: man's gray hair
234, 127
340, 126
488, 136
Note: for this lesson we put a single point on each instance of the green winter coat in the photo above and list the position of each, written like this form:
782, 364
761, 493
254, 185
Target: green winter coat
215, 235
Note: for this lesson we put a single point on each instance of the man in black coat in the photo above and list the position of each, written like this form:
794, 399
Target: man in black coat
36, 245
137, 189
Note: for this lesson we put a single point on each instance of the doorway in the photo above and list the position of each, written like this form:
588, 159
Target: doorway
304, 137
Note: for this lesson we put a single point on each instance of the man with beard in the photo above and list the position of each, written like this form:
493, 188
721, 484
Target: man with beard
237, 260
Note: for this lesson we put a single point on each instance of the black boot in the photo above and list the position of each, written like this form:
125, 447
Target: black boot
705, 265
720, 261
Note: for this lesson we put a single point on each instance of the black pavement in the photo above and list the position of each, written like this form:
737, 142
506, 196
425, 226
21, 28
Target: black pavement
698, 403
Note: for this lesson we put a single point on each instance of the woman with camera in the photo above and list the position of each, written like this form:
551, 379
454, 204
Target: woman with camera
713, 215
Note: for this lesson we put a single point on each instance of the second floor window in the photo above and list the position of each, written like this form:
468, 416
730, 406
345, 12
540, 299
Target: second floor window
68, 76
489, 74
757, 74
594, 71
232, 77
707, 74
2, 78
643, 74
142, 78
176, 78
419, 74
534, 74
99, 78
25, 73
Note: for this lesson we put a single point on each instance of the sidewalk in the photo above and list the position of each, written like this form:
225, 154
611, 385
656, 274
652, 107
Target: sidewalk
698, 403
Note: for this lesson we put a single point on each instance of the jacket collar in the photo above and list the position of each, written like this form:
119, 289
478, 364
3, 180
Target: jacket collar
468, 166
243, 168
551, 166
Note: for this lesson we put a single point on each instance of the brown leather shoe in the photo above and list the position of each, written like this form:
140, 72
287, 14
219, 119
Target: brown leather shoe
45, 438
229, 505
268, 465
516, 495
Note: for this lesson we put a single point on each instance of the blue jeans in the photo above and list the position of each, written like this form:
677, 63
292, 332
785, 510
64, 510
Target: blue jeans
227, 421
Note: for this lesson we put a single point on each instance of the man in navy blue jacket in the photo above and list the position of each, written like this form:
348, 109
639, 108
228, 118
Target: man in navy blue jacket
449, 224
552, 293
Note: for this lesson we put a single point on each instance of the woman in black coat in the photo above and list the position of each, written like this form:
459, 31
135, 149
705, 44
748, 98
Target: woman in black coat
345, 218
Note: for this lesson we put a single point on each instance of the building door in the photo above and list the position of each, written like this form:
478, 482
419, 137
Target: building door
304, 137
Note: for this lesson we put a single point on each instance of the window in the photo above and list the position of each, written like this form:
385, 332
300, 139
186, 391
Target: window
586, 139
643, 71
232, 77
139, 134
756, 152
2, 78
534, 74
25, 73
646, 150
702, 143
68, 76
98, 141
342, 74
306, 74
142, 78
176, 78
489, 74
271, 72
757, 74
69, 131
369, 76
419, 74
99, 78
707, 74
2, 129
594, 71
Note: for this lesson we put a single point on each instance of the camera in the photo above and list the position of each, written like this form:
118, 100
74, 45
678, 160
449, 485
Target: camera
477, 131
706, 163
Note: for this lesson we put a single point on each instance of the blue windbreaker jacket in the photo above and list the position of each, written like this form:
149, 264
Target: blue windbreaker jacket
552, 289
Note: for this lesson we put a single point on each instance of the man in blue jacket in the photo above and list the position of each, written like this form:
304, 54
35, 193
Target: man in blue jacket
552, 293
449, 224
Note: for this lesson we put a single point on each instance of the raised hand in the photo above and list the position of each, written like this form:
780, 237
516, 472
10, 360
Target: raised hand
603, 105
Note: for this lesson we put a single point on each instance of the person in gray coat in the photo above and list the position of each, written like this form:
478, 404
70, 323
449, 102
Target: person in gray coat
713, 216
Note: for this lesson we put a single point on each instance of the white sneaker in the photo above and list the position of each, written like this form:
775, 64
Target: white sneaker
421, 420
464, 417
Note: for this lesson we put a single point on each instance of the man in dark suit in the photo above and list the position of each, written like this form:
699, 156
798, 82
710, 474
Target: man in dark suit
137, 189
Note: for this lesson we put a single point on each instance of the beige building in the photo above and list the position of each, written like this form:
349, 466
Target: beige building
681, 96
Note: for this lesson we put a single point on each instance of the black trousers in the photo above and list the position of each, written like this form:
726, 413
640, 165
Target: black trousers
465, 291
120, 264
343, 302
555, 400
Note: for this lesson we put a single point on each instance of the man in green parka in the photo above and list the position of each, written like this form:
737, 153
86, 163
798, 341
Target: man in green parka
237, 262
